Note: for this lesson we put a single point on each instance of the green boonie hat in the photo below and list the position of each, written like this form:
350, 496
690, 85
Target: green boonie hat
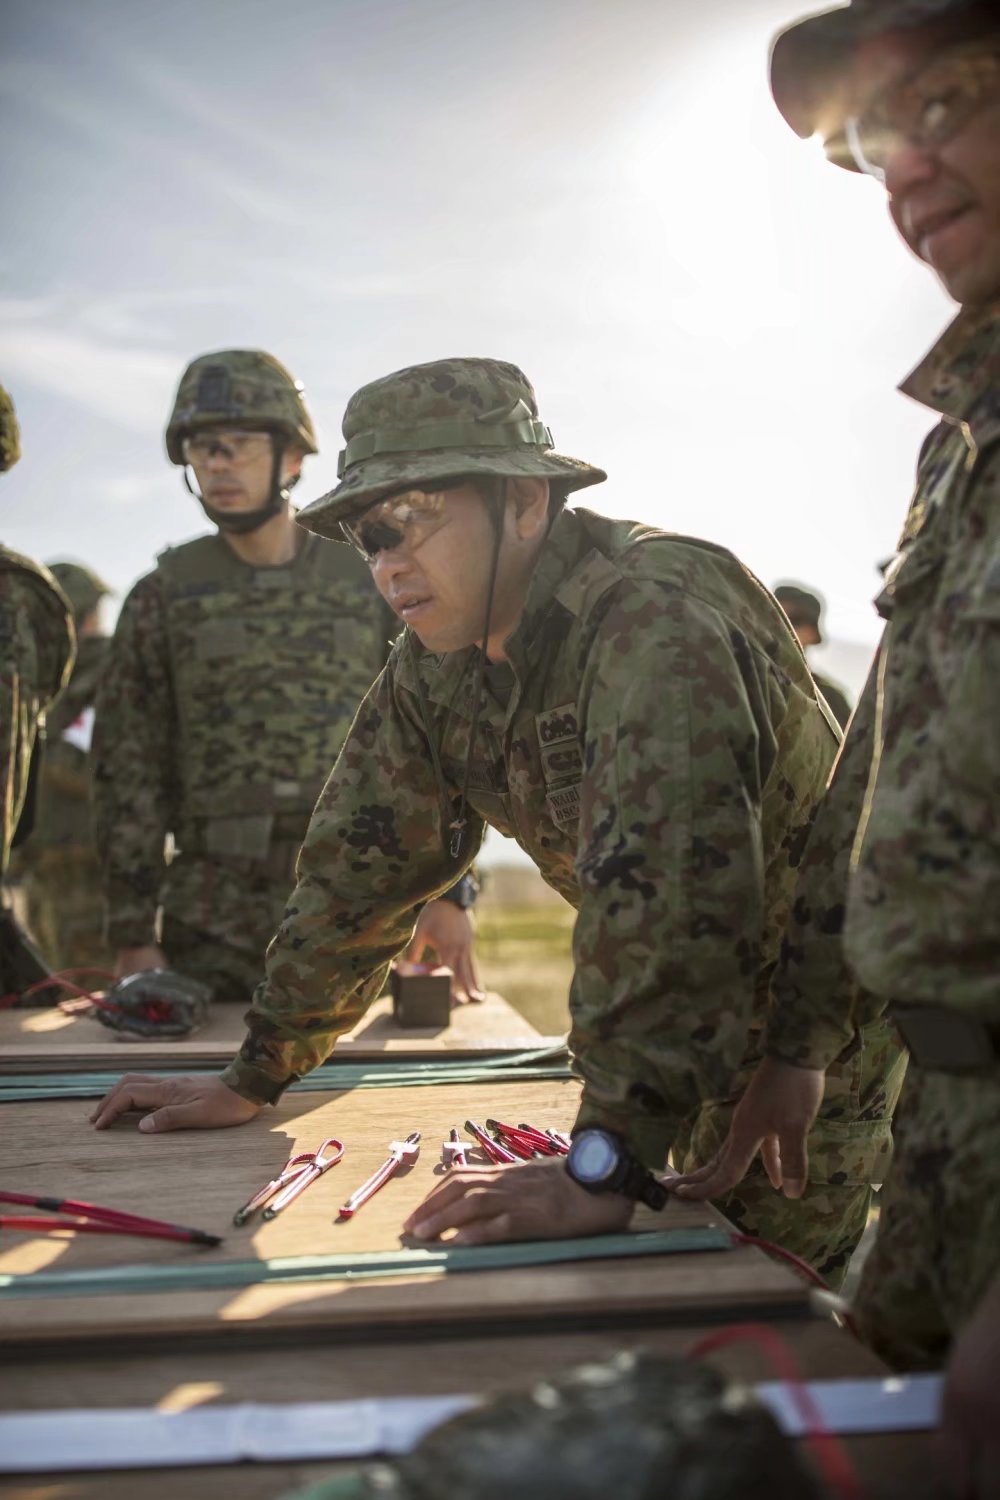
801, 606
10, 433
810, 61
81, 585
435, 422
239, 388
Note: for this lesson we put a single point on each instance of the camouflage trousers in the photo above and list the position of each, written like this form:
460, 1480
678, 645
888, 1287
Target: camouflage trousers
938, 1244
64, 906
218, 918
850, 1148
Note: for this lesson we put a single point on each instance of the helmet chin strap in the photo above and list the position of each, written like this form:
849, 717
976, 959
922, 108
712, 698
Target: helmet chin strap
242, 522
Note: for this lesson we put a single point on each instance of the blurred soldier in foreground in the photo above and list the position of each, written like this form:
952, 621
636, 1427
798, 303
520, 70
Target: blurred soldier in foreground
58, 868
910, 93
639, 716
232, 679
36, 654
805, 610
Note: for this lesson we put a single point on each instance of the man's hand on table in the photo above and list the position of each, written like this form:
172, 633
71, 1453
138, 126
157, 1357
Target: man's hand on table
451, 932
970, 1418
774, 1116
174, 1104
530, 1201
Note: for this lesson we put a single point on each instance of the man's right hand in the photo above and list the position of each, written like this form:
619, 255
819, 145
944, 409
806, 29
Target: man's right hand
774, 1116
174, 1104
138, 960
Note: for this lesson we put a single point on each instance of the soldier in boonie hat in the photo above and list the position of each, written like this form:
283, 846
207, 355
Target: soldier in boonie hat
633, 707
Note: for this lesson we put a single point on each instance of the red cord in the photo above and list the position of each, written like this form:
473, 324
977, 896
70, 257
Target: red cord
803, 1266
830, 1454
63, 980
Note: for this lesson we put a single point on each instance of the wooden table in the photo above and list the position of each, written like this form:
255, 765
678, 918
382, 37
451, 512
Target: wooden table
477, 1331
50, 1041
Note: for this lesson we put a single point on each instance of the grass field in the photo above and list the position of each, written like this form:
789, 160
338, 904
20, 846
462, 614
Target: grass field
523, 943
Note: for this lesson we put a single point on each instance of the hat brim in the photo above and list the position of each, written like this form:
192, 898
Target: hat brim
378, 477
810, 62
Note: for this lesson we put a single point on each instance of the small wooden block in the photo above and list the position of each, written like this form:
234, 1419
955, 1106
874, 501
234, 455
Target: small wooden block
421, 999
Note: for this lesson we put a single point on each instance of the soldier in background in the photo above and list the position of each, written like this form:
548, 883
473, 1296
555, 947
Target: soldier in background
58, 868
36, 653
641, 718
901, 877
232, 680
805, 612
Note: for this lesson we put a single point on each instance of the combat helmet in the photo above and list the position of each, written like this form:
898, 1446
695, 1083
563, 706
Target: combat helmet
440, 421
82, 587
10, 433
810, 60
241, 388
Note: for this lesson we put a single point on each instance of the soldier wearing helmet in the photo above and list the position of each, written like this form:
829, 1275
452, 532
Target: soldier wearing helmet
908, 91
37, 645
58, 868
232, 679
634, 709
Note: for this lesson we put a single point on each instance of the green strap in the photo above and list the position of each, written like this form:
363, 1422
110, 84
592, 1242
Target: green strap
522, 1067
528, 432
226, 1274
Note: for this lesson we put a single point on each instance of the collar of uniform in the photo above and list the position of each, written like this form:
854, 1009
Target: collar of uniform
962, 366
564, 546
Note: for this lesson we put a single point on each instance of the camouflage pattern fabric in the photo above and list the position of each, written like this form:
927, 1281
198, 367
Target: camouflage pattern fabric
155, 1003
433, 422
239, 388
656, 745
898, 895
228, 693
938, 1244
10, 433
82, 588
37, 645
835, 697
633, 1427
57, 867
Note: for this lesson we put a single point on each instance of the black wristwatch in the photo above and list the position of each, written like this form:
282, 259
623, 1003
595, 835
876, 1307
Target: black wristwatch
601, 1162
463, 893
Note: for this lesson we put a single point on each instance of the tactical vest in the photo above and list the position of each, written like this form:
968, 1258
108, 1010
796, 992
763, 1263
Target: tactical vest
269, 667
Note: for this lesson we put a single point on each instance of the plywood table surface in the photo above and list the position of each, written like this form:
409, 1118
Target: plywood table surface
51, 1041
891, 1466
201, 1177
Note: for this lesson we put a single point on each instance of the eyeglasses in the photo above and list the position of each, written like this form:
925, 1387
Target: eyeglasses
405, 519
236, 448
928, 109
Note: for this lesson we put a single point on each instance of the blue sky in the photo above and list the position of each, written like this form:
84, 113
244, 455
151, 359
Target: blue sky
599, 190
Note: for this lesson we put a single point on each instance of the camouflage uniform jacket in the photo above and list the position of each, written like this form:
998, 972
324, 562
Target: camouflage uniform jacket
63, 816
226, 697
37, 644
654, 743
903, 864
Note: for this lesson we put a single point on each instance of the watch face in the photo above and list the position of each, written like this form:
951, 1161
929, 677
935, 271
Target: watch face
593, 1156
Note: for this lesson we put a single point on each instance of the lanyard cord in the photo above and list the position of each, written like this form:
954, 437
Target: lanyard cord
458, 825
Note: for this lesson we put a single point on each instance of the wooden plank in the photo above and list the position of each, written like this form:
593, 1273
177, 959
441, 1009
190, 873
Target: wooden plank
50, 1041
890, 1467
202, 1177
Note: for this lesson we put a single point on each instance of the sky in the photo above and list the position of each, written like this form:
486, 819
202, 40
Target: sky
599, 190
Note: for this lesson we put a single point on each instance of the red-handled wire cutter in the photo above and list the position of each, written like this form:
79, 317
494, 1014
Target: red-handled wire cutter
453, 1150
401, 1153
296, 1176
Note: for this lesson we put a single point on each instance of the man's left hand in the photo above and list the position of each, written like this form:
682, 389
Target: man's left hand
530, 1201
451, 933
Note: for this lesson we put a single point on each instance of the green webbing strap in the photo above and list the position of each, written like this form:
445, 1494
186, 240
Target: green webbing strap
520, 1067
430, 435
225, 1275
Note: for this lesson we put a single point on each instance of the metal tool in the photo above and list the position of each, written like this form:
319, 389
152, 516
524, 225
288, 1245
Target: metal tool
454, 1149
495, 1150
296, 1176
401, 1153
523, 1139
